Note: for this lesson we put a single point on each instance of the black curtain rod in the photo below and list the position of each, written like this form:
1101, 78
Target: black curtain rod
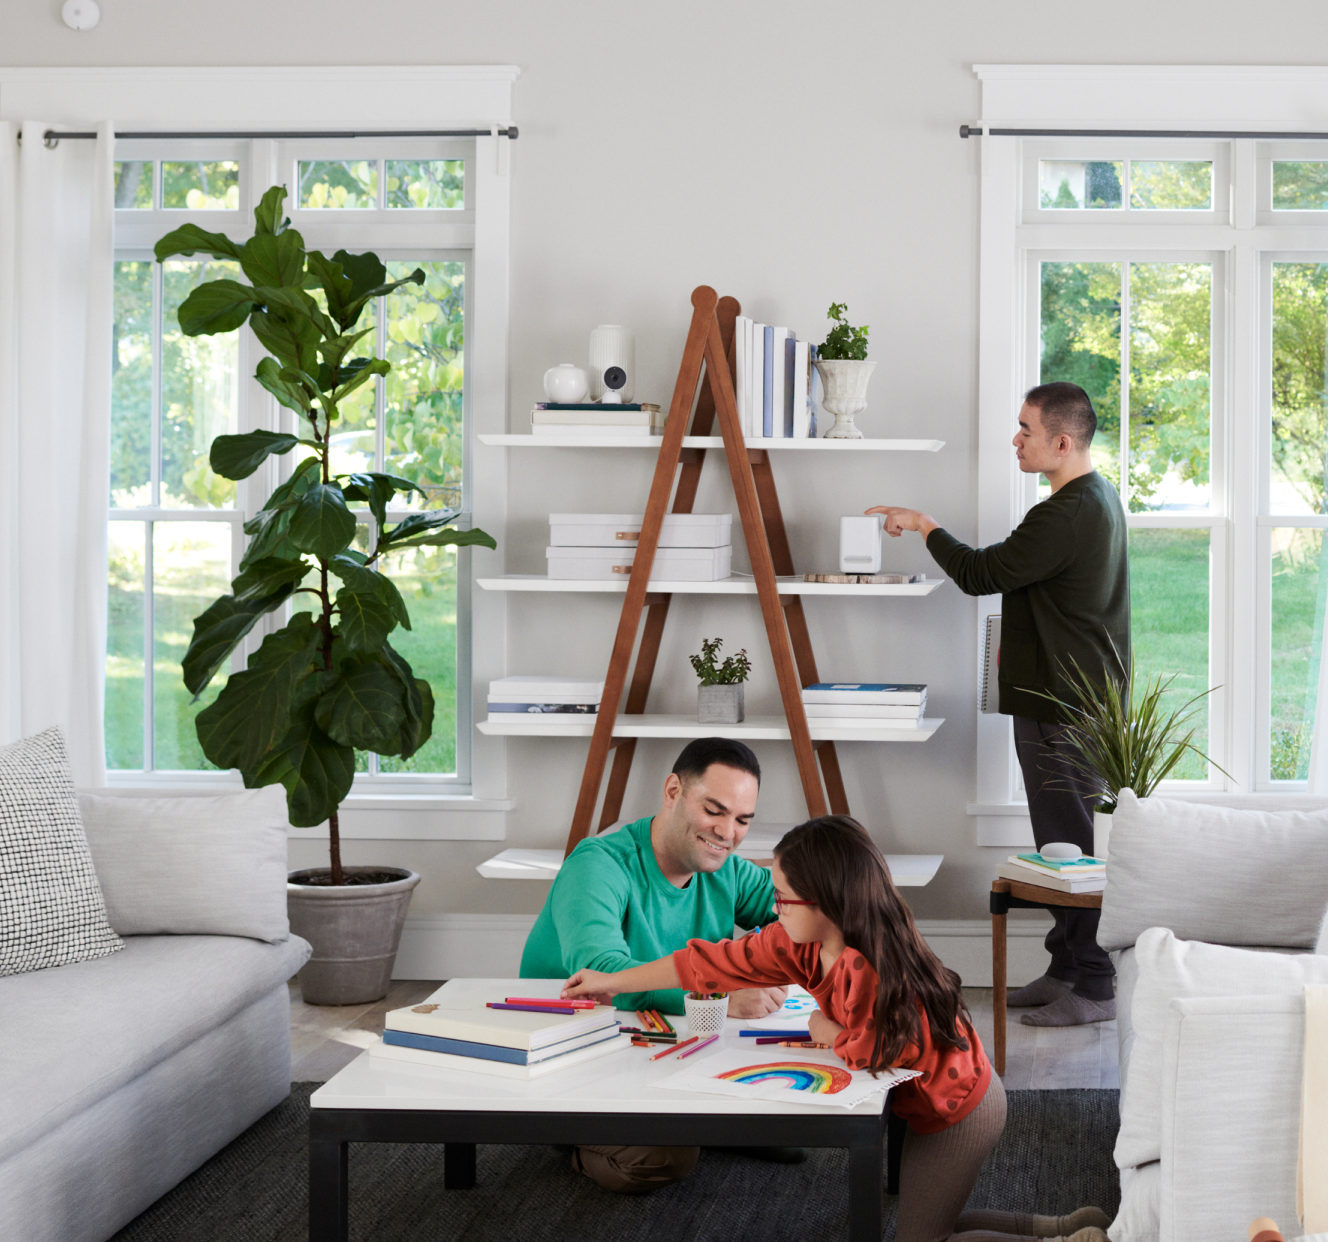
976, 131
53, 136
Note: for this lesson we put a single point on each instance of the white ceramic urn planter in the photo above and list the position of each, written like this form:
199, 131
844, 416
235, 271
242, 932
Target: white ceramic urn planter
844, 394
1101, 833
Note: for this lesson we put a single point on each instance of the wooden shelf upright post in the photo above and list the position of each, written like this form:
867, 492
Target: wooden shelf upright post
709, 342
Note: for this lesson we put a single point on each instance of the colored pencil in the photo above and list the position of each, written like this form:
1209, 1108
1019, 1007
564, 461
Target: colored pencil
557, 1009
780, 1034
656, 1039
644, 1021
698, 1047
675, 1048
665, 1024
541, 1000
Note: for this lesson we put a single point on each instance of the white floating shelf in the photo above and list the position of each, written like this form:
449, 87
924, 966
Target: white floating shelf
725, 586
759, 728
907, 870
590, 440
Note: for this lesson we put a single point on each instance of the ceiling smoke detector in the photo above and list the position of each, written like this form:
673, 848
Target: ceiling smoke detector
81, 14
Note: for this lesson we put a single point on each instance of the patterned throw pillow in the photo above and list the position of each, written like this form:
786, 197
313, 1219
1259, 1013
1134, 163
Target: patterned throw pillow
51, 909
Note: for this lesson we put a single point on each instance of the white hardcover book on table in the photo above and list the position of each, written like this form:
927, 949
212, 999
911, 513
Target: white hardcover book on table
741, 344
505, 1028
778, 384
500, 1069
1062, 884
802, 413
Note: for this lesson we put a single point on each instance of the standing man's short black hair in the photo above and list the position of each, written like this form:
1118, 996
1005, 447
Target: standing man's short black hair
1065, 410
697, 756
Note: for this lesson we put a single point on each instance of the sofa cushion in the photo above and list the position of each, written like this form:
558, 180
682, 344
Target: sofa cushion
1170, 969
73, 1034
51, 909
1139, 1215
192, 866
1192, 867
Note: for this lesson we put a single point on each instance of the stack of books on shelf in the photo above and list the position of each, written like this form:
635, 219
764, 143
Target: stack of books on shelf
693, 547
866, 704
590, 417
1083, 875
776, 384
511, 1038
533, 700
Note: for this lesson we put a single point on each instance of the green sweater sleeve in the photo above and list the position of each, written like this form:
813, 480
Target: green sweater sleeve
1037, 549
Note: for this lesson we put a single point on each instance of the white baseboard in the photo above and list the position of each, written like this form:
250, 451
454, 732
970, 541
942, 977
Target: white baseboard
488, 946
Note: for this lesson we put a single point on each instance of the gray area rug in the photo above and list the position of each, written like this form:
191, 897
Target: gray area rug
1054, 1156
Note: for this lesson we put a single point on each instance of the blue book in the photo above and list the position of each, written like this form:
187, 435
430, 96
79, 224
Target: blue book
768, 387
497, 1052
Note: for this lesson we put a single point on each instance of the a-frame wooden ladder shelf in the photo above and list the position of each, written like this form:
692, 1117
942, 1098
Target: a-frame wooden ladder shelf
707, 363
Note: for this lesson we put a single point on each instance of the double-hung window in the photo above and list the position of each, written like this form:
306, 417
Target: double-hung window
175, 529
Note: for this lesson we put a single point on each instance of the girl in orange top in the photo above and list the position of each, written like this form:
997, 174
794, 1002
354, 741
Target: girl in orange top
885, 999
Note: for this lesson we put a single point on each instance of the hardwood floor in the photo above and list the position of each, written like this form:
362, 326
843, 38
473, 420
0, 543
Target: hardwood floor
325, 1039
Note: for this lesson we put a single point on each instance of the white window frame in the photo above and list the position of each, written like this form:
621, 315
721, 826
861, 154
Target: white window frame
1241, 236
377, 99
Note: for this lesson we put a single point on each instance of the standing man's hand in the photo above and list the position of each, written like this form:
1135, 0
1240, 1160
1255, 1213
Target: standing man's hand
756, 1002
898, 520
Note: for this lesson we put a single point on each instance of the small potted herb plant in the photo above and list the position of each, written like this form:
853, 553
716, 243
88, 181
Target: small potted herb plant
844, 370
719, 696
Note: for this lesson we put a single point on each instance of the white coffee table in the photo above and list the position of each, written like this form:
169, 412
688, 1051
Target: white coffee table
608, 1100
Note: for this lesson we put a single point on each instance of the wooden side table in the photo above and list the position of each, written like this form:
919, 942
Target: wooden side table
1007, 895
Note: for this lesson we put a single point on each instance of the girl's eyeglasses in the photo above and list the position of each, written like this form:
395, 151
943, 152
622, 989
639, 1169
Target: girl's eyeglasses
781, 902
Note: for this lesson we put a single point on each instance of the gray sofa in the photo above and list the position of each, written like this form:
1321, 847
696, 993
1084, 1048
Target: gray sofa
121, 1075
1215, 918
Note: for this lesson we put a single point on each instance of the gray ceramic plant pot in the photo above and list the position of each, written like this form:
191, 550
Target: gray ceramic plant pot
720, 704
355, 930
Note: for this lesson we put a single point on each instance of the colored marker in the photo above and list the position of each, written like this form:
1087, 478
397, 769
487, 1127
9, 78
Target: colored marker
545, 1001
698, 1047
675, 1048
780, 1034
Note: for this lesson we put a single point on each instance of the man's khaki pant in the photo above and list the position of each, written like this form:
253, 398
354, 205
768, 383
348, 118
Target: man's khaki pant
635, 1170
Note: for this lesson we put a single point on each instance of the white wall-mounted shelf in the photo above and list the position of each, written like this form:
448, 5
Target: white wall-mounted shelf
590, 440
724, 586
758, 728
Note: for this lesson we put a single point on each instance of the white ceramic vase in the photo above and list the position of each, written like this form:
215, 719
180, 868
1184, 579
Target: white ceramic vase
566, 383
1101, 834
612, 345
844, 394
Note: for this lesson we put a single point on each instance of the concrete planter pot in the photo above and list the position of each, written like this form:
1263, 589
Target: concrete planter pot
720, 704
844, 394
355, 930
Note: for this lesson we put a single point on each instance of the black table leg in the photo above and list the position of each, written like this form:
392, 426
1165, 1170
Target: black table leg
327, 1191
459, 1166
895, 1129
866, 1211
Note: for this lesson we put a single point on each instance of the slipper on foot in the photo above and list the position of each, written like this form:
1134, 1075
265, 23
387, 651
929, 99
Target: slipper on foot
1042, 991
1071, 1009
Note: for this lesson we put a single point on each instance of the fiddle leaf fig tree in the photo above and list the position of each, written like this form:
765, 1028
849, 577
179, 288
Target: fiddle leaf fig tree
328, 683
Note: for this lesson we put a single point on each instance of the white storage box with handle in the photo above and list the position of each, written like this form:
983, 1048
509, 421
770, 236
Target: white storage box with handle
671, 564
618, 530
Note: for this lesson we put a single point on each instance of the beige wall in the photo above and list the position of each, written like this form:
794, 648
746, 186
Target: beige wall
791, 155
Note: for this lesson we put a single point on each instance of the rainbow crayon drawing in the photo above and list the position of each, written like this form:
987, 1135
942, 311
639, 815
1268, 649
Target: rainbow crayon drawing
795, 1075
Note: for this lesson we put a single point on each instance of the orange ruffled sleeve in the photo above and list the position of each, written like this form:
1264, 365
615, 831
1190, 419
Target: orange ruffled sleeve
763, 959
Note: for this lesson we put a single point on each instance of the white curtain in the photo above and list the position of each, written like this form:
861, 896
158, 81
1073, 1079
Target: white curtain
56, 219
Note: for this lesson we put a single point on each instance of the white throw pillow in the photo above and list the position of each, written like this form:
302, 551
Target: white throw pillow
51, 909
1169, 969
1199, 870
192, 866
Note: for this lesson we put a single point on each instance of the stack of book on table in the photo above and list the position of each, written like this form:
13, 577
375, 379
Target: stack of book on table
866, 704
693, 547
1083, 875
534, 699
776, 382
500, 1037
590, 417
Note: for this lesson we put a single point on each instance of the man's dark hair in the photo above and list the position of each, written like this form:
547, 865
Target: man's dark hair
1065, 410
697, 756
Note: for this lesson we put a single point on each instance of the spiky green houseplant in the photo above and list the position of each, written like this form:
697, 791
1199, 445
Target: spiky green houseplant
327, 683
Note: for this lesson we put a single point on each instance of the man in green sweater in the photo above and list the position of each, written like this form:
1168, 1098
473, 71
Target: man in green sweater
644, 891
1063, 576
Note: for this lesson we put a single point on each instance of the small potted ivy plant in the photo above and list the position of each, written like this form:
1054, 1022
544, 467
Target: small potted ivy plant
719, 696
844, 370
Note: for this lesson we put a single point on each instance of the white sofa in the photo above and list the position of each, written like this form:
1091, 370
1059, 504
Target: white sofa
121, 1075
1215, 918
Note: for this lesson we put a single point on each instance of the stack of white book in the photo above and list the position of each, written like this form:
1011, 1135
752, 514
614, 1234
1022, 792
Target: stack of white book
775, 381
519, 700
866, 704
507, 1042
592, 417
1083, 875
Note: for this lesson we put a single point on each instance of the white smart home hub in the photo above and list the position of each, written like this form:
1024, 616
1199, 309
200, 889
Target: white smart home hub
860, 544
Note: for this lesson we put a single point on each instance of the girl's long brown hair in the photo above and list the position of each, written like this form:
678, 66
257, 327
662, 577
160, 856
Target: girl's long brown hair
833, 862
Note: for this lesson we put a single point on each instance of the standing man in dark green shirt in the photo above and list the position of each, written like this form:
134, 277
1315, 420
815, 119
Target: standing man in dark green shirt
1063, 576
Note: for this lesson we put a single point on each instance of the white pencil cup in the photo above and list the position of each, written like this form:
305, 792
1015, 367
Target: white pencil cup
705, 1017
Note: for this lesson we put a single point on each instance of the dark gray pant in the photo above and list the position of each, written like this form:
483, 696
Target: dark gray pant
1060, 813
